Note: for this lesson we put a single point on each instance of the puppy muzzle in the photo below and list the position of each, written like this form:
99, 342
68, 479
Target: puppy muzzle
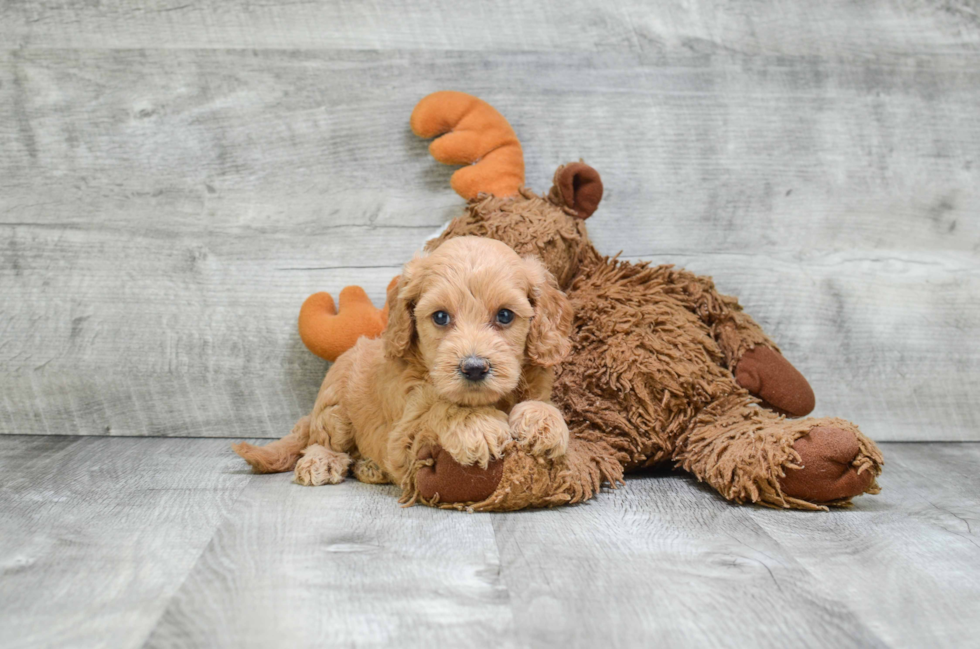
474, 368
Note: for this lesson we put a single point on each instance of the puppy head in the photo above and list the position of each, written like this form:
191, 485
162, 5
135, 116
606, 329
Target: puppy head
474, 313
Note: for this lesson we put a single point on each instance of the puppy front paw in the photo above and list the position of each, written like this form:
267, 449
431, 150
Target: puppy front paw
319, 465
540, 428
476, 438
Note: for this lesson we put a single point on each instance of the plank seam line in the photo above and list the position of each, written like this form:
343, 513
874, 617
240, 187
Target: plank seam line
197, 560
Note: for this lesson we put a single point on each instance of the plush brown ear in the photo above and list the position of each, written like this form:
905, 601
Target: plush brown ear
400, 332
578, 187
548, 339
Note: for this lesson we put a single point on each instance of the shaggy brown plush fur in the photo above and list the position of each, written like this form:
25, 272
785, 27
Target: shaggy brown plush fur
651, 378
472, 303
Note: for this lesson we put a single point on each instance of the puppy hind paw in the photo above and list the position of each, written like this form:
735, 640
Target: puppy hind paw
368, 471
539, 428
319, 465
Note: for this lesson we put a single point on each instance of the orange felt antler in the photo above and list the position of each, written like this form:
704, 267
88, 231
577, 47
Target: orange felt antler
476, 135
328, 333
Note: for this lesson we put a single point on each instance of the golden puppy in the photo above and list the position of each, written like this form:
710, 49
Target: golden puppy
473, 331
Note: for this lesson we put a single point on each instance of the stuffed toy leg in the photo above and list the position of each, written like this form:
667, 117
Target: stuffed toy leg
516, 481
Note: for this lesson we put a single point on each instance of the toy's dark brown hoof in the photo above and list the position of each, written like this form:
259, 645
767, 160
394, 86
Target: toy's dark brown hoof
766, 374
827, 475
453, 482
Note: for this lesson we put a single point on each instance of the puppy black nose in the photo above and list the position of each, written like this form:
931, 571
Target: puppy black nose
474, 368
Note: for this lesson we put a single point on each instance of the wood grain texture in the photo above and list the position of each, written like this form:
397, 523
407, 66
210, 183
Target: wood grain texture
853, 28
342, 566
169, 542
163, 213
670, 563
900, 558
97, 533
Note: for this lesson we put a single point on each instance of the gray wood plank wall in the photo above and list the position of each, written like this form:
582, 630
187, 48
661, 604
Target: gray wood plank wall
176, 177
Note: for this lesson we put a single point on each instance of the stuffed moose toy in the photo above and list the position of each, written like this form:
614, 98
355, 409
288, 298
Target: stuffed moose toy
662, 368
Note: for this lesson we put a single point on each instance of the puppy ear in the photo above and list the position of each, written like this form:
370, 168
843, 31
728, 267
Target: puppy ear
548, 339
400, 332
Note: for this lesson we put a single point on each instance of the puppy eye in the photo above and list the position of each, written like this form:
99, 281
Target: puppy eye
440, 318
505, 316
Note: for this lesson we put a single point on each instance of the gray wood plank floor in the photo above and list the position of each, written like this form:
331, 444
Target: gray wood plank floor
177, 176
117, 542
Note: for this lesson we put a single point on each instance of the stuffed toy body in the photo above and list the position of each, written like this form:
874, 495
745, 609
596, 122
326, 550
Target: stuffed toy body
663, 368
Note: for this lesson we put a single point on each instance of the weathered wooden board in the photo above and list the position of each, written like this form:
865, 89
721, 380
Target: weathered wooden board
96, 534
169, 542
348, 567
340, 566
670, 563
164, 213
849, 28
900, 559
